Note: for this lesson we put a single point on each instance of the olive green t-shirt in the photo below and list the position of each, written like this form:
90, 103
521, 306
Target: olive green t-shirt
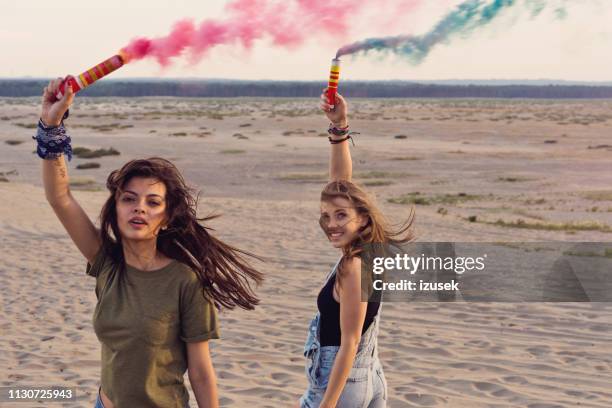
143, 322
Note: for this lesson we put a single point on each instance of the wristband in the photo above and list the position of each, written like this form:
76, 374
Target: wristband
344, 139
52, 141
333, 130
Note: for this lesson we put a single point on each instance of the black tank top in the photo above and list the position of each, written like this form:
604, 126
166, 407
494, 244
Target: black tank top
329, 311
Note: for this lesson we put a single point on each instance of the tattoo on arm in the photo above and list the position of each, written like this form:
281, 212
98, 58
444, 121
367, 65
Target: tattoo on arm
60, 167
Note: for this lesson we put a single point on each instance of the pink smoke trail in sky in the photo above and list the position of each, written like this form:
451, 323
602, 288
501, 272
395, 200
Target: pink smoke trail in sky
286, 23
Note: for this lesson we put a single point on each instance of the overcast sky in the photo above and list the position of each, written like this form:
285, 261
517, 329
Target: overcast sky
42, 38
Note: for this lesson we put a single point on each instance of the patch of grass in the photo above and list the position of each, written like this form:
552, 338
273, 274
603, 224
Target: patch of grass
411, 198
304, 177
602, 195
104, 127
607, 253
524, 213
245, 125
240, 136
442, 210
407, 158
514, 179
85, 153
418, 199
232, 151
531, 201
178, 134
26, 125
81, 181
12, 142
378, 175
377, 183
80, 150
9, 173
293, 132
4, 179
84, 183
554, 226
88, 165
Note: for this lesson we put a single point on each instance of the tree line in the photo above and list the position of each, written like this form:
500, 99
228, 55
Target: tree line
311, 89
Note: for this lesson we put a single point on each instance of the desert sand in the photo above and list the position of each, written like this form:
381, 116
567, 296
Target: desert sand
519, 170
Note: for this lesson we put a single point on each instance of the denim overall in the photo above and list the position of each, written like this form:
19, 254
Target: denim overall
99, 403
366, 386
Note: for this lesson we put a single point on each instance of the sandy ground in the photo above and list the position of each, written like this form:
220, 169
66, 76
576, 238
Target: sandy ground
545, 167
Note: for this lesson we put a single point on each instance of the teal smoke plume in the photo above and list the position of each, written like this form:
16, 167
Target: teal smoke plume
463, 20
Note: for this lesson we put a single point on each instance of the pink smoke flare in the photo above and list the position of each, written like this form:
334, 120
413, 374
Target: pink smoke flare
284, 23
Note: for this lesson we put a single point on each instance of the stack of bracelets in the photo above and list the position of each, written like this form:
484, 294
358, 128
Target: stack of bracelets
53, 141
340, 131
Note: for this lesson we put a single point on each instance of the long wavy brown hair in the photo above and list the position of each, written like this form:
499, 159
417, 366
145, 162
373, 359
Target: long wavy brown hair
222, 269
377, 230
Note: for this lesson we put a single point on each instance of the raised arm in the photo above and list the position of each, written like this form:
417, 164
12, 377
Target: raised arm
55, 178
340, 163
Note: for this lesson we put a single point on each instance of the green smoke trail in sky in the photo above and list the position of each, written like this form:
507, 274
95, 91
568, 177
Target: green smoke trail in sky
463, 20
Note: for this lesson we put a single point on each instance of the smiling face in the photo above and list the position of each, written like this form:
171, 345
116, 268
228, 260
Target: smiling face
340, 221
141, 209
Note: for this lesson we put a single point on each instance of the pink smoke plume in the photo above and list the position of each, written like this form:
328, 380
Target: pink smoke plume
285, 23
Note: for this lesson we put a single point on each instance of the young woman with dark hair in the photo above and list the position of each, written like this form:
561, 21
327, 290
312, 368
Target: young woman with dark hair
160, 275
343, 368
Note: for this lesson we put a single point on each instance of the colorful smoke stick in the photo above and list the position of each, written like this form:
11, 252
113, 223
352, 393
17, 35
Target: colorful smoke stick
90, 76
464, 19
334, 78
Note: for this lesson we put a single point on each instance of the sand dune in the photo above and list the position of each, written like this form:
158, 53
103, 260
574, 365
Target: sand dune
473, 355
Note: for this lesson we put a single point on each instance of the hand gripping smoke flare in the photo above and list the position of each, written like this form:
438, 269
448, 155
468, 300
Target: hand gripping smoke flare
334, 78
90, 76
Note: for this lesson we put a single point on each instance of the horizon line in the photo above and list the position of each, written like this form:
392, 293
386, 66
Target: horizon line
450, 80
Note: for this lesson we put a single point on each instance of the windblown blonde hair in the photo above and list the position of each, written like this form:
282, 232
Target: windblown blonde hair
377, 230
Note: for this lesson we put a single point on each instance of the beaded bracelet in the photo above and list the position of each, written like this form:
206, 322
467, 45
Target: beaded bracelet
336, 131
